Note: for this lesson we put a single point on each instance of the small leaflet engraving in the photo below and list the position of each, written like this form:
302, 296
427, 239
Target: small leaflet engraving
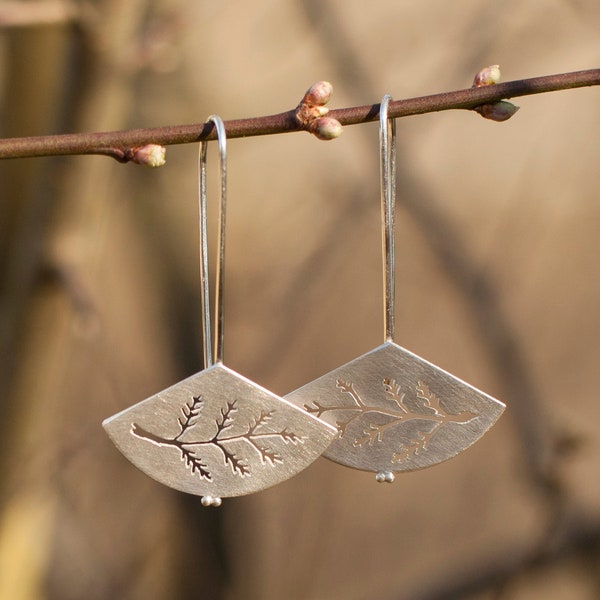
424, 406
254, 438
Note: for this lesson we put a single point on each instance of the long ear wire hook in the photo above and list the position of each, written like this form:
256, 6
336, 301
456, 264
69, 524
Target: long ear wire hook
179, 436
388, 203
207, 342
359, 396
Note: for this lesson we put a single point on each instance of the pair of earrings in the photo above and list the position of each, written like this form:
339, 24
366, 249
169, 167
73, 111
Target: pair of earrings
218, 434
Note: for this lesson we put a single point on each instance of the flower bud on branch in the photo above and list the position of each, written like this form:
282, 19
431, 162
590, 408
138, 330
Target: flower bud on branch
325, 128
499, 111
318, 94
311, 111
150, 155
487, 76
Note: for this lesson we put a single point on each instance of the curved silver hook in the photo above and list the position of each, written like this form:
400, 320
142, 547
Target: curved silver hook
387, 149
207, 342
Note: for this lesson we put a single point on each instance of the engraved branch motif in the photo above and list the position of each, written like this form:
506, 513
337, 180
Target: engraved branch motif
424, 407
255, 437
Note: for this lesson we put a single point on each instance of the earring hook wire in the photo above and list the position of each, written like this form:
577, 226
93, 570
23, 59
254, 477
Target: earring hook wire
207, 340
387, 149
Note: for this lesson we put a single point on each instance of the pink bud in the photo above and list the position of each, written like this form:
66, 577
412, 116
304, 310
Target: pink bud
325, 128
318, 94
499, 111
487, 76
150, 155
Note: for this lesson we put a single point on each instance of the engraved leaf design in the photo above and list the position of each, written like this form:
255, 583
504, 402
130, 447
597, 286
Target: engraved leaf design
371, 435
190, 448
393, 390
264, 417
195, 464
217, 433
430, 400
381, 401
425, 406
190, 413
268, 454
290, 436
225, 420
408, 451
238, 465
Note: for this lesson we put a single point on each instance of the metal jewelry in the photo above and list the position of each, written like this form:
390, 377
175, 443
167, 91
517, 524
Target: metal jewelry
218, 434
393, 410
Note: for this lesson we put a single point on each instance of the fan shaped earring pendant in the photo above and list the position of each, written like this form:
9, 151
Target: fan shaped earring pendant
218, 434
395, 411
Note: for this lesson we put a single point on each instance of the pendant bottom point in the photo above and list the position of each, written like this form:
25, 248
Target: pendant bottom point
211, 501
385, 477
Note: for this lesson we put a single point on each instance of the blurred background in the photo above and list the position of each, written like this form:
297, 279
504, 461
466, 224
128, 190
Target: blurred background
497, 247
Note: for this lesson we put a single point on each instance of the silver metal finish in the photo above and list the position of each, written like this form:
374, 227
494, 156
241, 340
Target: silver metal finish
204, 281
218, 434
203, 235
388, 207
393, 410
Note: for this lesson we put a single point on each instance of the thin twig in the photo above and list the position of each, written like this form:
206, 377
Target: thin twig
115, 143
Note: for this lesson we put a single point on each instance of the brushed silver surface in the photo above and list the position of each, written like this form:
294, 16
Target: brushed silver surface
218, 434
395, 411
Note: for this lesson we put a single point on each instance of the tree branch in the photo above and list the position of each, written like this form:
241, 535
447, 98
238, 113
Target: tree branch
118, 143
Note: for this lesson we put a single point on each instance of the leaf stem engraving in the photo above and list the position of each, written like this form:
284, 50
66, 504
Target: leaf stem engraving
425, 407
252, 437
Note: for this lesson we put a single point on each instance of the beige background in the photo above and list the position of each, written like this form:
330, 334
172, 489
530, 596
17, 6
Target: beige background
496, 281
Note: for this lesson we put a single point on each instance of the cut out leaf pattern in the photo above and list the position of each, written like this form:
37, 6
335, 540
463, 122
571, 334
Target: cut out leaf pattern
191, 448
218, 434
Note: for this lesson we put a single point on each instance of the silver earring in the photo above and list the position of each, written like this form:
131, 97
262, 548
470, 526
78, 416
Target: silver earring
393, 410
217, 434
